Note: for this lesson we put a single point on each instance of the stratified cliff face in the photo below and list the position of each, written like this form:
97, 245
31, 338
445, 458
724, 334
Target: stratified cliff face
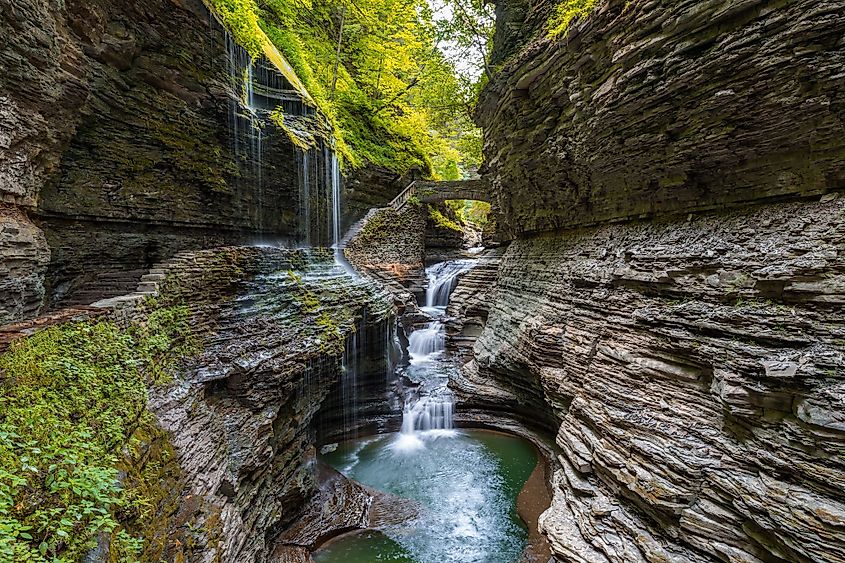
132, 130
120, 141
696, 370
645, 108
692, 363
276, 333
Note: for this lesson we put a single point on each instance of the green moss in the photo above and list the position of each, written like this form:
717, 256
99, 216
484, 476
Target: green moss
332, 339
71, 397
442, 221
567, 11
191, 147
241, 18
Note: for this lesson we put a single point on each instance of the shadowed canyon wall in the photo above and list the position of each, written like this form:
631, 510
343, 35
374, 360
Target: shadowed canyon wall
692, 364
132, 130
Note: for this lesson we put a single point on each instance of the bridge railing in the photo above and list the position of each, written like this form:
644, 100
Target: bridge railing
427, 190
400, 200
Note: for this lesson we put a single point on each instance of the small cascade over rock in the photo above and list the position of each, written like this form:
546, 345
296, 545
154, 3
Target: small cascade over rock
426, 417
427, 342
428, 413
349, 384
442, 279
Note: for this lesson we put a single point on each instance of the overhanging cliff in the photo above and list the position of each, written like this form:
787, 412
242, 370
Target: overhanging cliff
648, 108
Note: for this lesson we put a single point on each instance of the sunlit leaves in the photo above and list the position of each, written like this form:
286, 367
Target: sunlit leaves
399, 102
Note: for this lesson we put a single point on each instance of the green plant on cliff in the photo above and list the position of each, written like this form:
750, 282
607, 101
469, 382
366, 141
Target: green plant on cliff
241, 17
70, 398
567, 11
375, 69
331, 336
442, 221
471, 212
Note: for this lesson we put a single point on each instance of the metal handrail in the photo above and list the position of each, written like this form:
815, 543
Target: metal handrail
400, 200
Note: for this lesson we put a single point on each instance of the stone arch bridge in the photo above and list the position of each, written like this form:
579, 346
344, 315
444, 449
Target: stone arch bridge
436, 192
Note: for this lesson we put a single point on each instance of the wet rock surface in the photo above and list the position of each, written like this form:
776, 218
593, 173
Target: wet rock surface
693, 370
241, 415
646, 108
470, 302
391, 248
340, 505
125, 137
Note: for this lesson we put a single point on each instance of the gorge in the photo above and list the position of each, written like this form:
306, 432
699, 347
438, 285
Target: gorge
261, 301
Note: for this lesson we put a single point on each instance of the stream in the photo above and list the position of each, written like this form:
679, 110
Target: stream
464, 482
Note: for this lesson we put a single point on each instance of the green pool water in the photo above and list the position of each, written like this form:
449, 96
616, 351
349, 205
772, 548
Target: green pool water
466, 484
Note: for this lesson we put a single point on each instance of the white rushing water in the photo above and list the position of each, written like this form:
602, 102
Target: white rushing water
431, 409
442, 279
335, 183
426, 344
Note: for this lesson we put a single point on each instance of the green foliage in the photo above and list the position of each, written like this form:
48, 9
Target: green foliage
391, 95
471, 212
442, 221
70, 398
567, 11
241, 17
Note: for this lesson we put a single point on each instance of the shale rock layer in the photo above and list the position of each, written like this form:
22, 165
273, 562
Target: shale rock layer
696, 371
645, 108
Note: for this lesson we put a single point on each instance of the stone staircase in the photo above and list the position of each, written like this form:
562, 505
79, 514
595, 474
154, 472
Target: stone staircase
104, 285
147, 285
357, 227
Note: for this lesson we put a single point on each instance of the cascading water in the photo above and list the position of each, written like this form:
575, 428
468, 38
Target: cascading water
305, 196
320, 197
245, 120
426, 343
442, 279
428, 414
464, 484
349, 386
431, 409
257, 91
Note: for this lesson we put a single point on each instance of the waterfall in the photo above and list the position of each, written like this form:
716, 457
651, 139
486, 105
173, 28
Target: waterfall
428, 414
423, 418
248, 123
442, 279
305, 196
349, 386
335, 183
431, 409
424, 344
257, 90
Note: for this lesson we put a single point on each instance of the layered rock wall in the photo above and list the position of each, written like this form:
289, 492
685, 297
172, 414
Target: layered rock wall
132, 130
470, 303
645, 108
691, 364
391, 247
242, 416
696, 370
237, 424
